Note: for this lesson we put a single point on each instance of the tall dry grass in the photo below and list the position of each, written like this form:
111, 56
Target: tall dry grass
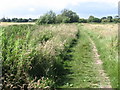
31, 54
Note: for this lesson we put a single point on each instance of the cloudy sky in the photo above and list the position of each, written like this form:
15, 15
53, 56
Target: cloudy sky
35, 8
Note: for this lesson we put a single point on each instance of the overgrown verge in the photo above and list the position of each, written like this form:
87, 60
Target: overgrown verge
107, 46
31, 55
66, 56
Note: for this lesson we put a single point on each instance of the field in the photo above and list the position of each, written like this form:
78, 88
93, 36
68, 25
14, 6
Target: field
59, 55
14, 23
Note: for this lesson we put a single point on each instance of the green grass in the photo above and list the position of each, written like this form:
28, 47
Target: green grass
31, 54
0, 52
109, 56
58, 55
81, 73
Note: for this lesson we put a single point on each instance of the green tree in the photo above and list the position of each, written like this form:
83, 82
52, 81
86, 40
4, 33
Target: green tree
59, 18
97, 20
93, 19
62, 19
116, 20
71, 15
8, 20
104, 20
47, 18
82, 20
14, 19
3, 20
117, 16
109, 18
66, 19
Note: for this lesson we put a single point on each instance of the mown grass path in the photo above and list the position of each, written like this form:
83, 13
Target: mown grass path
80, 64
104, 79
84, 65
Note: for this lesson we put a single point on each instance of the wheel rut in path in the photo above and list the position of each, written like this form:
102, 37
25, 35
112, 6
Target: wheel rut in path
104, 79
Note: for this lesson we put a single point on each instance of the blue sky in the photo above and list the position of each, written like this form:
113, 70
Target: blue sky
35, 8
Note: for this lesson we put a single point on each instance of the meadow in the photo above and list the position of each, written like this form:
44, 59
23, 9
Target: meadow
57, 55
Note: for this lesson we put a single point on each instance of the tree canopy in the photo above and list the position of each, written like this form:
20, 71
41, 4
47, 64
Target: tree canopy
71, 15
66, 16
47, 18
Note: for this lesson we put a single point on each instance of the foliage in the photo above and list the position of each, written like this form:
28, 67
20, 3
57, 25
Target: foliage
66, 19
41, 83
82, 20
66, 16
62, 19
70, 14
93, 19
48, 18
59, 19
32, 52
17, 20
116, 20
109, 18
16, 54
3, 20
104, 20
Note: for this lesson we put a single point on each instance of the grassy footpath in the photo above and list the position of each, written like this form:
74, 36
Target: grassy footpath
81, 73
107, 48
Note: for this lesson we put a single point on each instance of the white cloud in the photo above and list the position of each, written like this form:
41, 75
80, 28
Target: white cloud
9, 5
58, 4
31, 9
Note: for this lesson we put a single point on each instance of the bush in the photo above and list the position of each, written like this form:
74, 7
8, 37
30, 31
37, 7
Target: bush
30, 53
82, 20
48, 18
66, 19
19, 52
94, 19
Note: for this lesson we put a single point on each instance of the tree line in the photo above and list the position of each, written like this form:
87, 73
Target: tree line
17, 20
66, 16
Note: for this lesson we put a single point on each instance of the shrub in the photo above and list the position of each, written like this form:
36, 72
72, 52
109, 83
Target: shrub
30, 53
48, 18
82, 20
93, 19
66, 19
